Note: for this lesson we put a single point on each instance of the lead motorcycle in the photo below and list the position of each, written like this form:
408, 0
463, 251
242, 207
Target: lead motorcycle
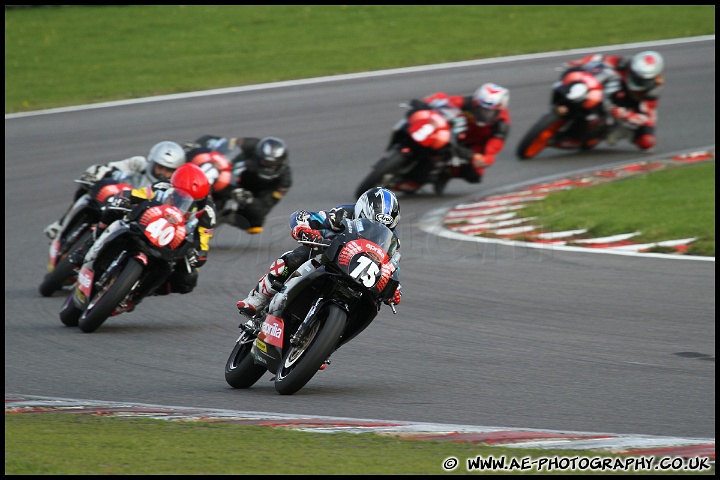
77, 226
579, 117
131, 259
418, 152
323, 305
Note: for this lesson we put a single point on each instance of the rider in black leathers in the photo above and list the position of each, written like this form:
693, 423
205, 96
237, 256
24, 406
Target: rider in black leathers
261, 176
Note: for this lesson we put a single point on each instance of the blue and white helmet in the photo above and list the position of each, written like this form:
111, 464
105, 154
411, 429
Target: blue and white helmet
379, 205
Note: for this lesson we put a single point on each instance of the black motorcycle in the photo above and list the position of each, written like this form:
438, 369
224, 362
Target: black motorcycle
418, 152
131, 259
75, 229
323, 305
578, 118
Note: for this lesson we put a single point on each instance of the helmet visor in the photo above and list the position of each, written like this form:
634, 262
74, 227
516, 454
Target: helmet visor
636, 82
484, 116
179, 199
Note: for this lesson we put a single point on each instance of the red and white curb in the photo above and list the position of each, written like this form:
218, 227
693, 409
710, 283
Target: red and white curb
498, 218
491, 436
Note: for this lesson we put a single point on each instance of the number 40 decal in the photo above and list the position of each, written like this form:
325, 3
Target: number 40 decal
366, 271
161, 231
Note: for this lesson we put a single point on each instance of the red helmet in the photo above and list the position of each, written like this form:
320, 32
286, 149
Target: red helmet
190, 178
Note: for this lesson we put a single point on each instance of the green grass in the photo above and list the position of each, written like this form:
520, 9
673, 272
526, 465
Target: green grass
76, 444
666, 205
77, 55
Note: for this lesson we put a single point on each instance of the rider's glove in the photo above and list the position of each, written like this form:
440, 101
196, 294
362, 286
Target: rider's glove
416, 104
195, 258
120, 202
395, 298
336, 217
243, 197
304, 233
95, 173
463, 152
189, 146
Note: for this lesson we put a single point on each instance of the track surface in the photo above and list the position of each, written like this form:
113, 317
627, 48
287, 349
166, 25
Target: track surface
487, 335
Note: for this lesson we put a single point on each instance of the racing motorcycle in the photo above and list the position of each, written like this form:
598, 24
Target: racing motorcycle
77, 226
324, 304
579, 117
131, 259
418, 152
217, 163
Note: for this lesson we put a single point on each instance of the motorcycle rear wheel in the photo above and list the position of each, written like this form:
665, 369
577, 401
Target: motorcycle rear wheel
240, 369
539, 135
383, 172
105, 302
301, 363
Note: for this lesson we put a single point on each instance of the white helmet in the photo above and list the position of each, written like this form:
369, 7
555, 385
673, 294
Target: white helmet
164, 154
488, 101
645, 68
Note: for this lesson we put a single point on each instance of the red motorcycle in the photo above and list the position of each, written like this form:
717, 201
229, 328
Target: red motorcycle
131, 259
578, 118
419, 152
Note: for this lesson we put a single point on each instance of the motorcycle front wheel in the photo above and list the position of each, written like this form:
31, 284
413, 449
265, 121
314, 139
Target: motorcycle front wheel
302, 362
106, 301
537, 138
69, 313
383, 172
63, 272
240, 369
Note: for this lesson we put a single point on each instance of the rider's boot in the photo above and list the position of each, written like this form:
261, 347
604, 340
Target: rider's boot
77, 256
258, 298
52, 230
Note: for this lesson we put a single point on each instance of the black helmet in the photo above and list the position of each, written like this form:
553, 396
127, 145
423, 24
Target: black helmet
272, 157
379, 205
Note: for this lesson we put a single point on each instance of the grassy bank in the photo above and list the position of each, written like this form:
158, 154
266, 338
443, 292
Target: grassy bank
72, 55
71, 444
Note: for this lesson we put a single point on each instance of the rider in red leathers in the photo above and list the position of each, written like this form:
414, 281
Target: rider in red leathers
635, 104
480, 124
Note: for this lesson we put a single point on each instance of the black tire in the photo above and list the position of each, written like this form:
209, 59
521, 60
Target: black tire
64, 271
58, 278
240, 369
300, 364
537, 138
69, 313
383, 172
104, 303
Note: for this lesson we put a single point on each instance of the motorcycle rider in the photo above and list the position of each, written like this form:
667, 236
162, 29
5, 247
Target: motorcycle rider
191, 179
635, 103
377, 204
261, 175
480, 125
164, 158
